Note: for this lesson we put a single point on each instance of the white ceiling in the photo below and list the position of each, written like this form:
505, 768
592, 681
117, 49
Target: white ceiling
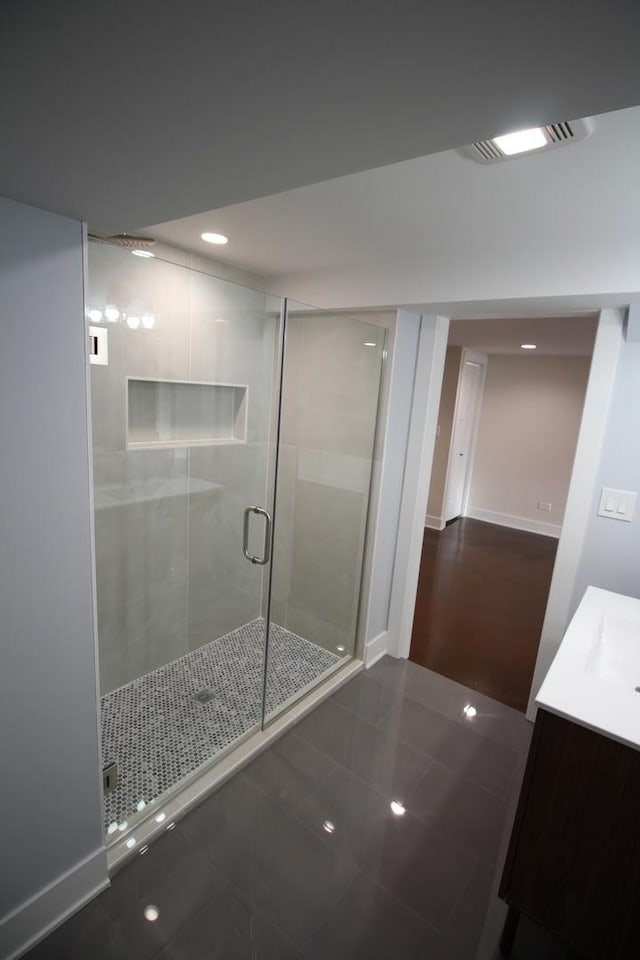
553, 336
432, 208
442, 228
128, 113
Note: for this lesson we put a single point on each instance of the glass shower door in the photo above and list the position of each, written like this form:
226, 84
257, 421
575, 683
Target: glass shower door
184, 390
331, 379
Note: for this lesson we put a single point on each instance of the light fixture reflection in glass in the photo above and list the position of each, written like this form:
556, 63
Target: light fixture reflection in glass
113, 826
111, 313
369, 343
521, 141
527, 346
133, 322
151, 913
220, 320
131, 842
148, 321
340, 648
397, 808
95, 315
161, 816
469, 711
141, 804
142, 253
328, 826
218, 238
123, 826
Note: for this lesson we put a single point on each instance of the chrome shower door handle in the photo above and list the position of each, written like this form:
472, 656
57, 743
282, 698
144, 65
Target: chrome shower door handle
261, 561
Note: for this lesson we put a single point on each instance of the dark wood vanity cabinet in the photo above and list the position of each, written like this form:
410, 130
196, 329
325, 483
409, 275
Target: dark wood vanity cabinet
573, 864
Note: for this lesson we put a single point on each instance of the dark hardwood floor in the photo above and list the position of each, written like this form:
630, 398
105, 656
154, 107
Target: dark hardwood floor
482, 594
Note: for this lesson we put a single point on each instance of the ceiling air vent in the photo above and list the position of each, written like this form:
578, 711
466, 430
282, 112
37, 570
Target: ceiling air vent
552, 135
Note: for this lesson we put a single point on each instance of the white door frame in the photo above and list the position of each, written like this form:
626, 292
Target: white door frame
467, 356
422, 433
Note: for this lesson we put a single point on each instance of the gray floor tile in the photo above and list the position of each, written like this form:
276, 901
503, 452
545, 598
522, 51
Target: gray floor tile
89, 933
349, 815
417, 864
290, 770
493, 720
301, 877
368, 924
373, 754
177, 897
475, 817
369, 699
224, 826
415, 861
460, 747
134, 881
462, 934
229, 928
286, 872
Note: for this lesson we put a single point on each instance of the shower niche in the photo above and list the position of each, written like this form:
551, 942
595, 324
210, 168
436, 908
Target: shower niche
171, 413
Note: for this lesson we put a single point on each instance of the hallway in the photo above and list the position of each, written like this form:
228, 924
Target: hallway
481, 600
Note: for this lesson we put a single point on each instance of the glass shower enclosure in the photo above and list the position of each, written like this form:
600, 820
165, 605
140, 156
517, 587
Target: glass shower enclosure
233, 438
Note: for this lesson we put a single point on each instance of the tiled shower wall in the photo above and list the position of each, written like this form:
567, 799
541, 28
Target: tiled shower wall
168, 521
329, 410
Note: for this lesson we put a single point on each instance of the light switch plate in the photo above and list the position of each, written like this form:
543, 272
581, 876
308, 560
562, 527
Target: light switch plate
617, 504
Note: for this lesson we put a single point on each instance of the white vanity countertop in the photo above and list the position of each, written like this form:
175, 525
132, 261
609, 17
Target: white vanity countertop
597, 668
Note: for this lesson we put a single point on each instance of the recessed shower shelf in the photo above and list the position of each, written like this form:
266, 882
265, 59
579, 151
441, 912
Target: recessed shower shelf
180, 413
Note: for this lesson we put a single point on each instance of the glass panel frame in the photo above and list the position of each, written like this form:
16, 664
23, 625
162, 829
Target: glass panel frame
332, 373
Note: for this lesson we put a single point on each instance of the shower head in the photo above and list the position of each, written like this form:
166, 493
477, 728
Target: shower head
129, 242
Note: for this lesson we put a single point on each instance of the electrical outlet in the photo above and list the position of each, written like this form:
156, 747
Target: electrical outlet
543, 506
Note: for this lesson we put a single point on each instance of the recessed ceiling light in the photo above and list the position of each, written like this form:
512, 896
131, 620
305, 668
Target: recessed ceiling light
469, 711
528, 346
397, 808
142, 253
215, 238
521, 141
151, 913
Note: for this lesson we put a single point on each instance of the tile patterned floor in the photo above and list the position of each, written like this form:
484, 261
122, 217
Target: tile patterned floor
158, 732
302, 857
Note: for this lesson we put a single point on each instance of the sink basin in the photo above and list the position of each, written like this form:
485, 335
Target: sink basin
595, 675
615, 654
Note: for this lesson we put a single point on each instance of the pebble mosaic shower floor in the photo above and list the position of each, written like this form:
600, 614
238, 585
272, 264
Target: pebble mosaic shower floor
158, 732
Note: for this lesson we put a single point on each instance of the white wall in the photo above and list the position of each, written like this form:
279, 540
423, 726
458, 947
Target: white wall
593, 435
50, 798
446, 411
611, 553
389, 472
527, 435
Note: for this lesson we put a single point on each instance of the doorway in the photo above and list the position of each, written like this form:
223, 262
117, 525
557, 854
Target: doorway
492, 526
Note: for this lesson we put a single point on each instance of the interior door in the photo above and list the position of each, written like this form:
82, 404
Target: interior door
467, 406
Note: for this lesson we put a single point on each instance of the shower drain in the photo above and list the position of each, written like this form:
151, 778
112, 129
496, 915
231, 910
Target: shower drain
205, 695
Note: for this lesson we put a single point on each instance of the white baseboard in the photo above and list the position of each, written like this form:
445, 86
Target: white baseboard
434, 523
376, 648
33, 920
518, 523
